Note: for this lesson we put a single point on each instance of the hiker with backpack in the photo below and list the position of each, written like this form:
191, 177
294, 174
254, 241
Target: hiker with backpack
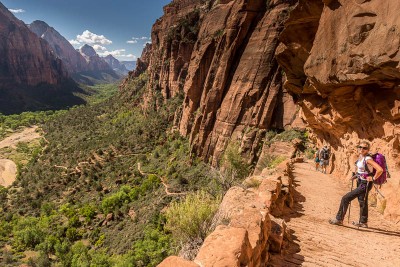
367, 172
324, 155
316, 159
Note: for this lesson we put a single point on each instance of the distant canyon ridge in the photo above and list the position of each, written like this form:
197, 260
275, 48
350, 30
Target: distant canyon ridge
40, 69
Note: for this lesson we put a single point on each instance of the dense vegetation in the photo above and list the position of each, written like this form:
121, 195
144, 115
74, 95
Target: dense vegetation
112, 185
95, 192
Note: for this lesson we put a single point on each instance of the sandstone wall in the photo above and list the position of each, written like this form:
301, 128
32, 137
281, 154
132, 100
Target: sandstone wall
342, 63
253, 230
220, 56
25, 58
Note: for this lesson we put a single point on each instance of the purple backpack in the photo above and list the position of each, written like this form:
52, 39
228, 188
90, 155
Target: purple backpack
380, 159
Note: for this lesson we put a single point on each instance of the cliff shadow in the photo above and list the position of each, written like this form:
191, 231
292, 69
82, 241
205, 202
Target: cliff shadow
19, 98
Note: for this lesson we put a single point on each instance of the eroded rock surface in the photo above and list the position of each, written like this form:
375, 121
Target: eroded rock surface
246, 235
346, 76
220, 56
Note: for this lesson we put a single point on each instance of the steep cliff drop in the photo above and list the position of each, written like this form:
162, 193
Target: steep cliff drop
31, 77
342, 63
220, 56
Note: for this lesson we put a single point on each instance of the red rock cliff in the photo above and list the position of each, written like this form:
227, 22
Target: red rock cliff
25, 58
342, 63
220, 56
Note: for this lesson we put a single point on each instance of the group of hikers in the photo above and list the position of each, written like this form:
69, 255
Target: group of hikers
370, 170
321, 158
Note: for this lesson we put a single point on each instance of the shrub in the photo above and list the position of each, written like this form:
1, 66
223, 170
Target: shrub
289, 135
27, 233
88, 211
233, 167
270, 161
252, 183
152, 249
192, 218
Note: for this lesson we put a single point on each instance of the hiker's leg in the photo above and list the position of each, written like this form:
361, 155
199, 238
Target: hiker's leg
346, 199
364, 206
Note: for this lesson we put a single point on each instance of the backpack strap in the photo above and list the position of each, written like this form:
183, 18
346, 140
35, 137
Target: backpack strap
365, 163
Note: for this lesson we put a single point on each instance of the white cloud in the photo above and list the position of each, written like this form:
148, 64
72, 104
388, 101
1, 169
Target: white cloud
118, 53
16, 10
99, 48
134, 40
74, 42
132, 56
144, 45
88, 37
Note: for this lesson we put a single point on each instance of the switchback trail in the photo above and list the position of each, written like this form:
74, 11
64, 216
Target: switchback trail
317, 243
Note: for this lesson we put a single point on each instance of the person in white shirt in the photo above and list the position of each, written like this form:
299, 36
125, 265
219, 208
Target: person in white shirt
364, 166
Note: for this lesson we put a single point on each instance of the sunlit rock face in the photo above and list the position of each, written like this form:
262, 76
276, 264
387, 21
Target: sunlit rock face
346, 78
220, 56
24, 57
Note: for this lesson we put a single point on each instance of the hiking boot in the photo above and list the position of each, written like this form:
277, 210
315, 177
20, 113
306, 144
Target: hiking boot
362, 225
335, 222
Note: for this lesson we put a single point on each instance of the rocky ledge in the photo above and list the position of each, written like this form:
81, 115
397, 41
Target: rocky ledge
250, 228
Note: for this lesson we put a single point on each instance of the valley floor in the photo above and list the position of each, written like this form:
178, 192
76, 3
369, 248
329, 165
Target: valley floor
8, 169
317, 243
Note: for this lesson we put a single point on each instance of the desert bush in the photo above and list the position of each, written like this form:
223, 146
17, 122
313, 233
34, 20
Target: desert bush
252, 183
27, 233
191, 218
270, 161
152, 249
233, 166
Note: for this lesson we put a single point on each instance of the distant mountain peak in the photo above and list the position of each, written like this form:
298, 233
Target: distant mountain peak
87, 50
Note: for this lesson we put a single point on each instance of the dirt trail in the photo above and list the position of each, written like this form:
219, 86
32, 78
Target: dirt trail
8, 169
317, 243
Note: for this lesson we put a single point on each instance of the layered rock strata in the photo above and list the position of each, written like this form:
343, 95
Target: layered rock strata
220, 56
25, 58
342, 61
31, 76
253, 231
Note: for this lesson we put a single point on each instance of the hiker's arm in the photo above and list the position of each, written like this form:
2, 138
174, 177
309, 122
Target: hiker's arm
378, 169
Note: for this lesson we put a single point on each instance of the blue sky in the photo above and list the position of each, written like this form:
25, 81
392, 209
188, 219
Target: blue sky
106, 25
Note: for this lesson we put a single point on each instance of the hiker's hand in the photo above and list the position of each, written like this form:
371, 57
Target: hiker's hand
369, 178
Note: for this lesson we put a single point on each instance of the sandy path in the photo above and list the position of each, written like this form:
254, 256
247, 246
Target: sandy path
26, 135
8, 172
8, 169
317, 243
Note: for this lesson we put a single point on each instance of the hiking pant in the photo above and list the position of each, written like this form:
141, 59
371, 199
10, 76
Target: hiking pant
359, 193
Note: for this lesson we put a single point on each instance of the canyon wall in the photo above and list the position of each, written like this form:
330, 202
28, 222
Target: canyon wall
31, 76
219, 55
338, 60
25, 58
342, 63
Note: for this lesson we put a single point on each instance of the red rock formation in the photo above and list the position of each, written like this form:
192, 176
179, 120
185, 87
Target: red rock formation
143, 62
25, 58
251, 232
220, 56
342, 62
31, 77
